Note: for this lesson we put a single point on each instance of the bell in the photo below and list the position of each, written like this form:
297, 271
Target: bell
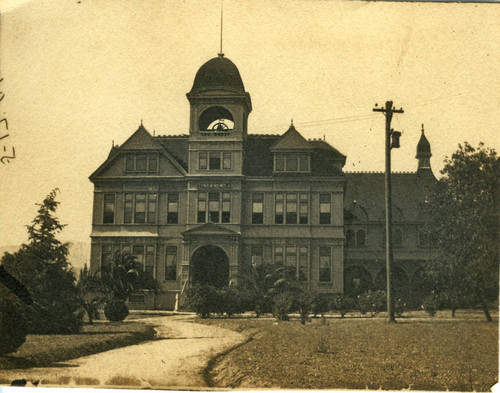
395, 139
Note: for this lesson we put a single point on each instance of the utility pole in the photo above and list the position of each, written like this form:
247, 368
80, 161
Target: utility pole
388, 111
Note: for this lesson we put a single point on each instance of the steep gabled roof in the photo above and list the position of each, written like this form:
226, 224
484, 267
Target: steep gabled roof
291, 140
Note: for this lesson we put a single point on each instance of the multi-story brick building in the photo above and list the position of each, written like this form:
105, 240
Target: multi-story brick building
200, 207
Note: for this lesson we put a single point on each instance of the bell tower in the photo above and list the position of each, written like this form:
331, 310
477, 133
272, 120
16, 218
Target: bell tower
219, 109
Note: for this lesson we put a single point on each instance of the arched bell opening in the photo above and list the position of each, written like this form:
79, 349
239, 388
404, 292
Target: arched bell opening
210, 265
216, 119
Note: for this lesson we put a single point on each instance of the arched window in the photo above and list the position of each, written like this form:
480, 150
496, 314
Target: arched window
350, 238
360, 238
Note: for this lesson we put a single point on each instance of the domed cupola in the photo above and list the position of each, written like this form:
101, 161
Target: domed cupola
219, 103
219, 73
423, 152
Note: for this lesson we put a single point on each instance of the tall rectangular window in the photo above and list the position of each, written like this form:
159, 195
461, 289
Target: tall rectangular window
150, 261
325, 208
128, 208
109, 209
141, 164
278, 255
291, 162
303, 209
106, 254
226, 207
214, 160
203, 160
303, 264
173, 208
325, 264
152, 208
279, 162
213, 206
304, 163
291, 208
278, 209
138, 253
257, 252
291, 261
226, 160
257, 208
140, 209
202, 207
171, 263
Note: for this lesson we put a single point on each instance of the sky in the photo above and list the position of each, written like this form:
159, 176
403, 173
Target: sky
80, 75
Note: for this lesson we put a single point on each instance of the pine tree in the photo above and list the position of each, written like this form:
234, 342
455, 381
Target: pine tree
42, 266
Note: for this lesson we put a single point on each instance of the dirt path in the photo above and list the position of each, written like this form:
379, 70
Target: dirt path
177, 359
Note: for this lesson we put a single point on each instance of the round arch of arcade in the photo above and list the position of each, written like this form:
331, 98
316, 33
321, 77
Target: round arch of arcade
209, 264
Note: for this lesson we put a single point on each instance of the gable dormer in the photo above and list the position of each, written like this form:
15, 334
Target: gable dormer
292, 153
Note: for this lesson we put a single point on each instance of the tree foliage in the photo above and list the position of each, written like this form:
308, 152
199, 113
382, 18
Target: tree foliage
42, 266
465, 226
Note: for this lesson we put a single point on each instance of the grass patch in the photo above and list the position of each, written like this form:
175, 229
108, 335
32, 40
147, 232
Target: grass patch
360, 353
44, 350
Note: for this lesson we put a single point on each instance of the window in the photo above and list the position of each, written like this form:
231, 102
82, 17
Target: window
325, 264
295, 260
291, 162
140, 208
202, 207
350, 238
256, 252
258, 208
138, 253
137, 298
360, 238
203, 160
106, 254
303, 210
109, 209
150, 261
226, 207
214, 160
279, 162
303, 264
171, 263
141, 163
289, 210
219, 207
226, 160
172, 208
278, 209
278, 255
325, 208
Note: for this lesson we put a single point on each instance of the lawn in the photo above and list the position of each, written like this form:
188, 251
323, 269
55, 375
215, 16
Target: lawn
358, 353
43, 350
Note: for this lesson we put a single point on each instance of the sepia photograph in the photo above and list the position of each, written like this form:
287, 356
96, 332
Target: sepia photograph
247, 195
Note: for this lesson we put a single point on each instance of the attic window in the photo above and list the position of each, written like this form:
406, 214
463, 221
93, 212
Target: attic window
291, 162
141, 163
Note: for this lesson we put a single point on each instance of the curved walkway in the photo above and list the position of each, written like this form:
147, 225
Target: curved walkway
176, 359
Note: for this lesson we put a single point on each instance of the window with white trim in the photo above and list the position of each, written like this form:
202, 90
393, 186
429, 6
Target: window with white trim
141, 163
325, 264
171, 263
213, 160
216, 206
140, 208
291, 162
291, 208
108, 216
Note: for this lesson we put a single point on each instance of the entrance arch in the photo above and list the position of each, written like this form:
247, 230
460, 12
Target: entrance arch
210, 265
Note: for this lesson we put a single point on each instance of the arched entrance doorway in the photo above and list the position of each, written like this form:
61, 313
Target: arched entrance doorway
210, 265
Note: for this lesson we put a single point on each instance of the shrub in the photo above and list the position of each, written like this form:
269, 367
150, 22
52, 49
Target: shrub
304, 305
372, 302
430, 304
283, 302
399, 307
203, 299
13, 327
115, 310
230, 301
320, 303
343, 304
